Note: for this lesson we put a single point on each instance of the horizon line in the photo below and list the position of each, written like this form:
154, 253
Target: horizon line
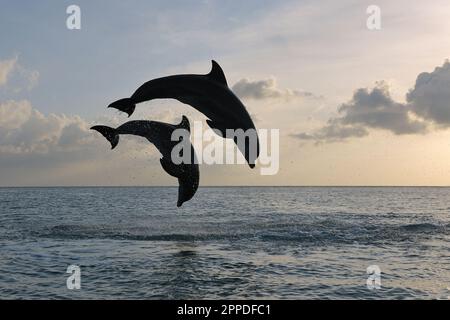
232, 186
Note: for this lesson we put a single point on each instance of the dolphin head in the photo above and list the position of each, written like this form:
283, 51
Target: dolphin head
247, 140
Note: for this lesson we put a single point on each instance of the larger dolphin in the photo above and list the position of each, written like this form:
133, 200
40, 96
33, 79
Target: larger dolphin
207, 93
160, 134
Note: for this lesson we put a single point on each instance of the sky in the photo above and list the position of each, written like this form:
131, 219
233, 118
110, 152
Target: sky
353, 106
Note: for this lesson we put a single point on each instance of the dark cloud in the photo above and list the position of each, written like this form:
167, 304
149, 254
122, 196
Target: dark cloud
333, 132
376, 109
427, 108
430, 97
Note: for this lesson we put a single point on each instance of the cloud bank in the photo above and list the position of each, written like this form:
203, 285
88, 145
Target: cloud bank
25, 130
427, 108
56, 149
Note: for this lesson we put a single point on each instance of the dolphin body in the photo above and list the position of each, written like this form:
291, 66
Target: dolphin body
207, 93
160, 134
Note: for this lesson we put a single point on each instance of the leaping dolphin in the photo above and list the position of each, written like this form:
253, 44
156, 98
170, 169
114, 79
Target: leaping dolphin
209, 94
160, 134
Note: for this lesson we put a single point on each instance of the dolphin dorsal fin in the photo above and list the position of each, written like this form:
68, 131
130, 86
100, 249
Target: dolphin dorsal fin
184, 124
217, 74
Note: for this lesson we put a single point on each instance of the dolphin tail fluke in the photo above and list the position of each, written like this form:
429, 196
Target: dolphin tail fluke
126, 105
109, 133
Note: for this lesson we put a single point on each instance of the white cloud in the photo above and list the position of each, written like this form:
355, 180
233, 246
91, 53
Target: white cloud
26, 130
266, 89
6, 67
16, 76
57, 149
13, 114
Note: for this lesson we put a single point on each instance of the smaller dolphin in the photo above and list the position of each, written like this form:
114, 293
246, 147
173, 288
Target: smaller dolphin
160, 134
207, 93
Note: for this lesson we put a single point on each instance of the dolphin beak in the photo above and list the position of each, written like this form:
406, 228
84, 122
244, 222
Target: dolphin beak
251, 165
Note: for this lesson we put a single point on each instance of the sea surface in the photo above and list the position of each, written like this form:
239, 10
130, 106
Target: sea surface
227, 243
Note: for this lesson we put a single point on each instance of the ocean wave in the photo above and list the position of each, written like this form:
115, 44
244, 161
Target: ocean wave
323, 232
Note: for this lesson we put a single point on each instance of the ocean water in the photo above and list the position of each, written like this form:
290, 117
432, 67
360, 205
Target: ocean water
228, 243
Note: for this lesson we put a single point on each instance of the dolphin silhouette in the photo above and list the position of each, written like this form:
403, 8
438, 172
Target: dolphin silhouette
207, 93
160, 133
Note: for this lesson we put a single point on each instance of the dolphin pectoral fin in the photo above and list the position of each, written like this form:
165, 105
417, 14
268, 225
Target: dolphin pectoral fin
218, 127
217, 74
170, 167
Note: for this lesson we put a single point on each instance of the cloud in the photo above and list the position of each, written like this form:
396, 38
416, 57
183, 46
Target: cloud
13, 114
266, 89
25, 130
376, 109
58, 149
430, 97
16, 76
6, 67
333, 132
427, 108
